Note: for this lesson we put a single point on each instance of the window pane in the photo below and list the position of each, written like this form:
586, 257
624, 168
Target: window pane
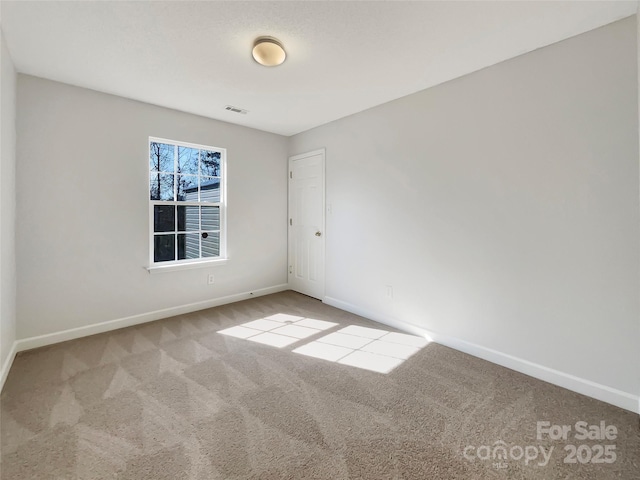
209, 189
161, 157
210, 218
187, 161
189, 218
187, 188
161, 186
164, 248
209, 163
164, 218
188, 245
211, 244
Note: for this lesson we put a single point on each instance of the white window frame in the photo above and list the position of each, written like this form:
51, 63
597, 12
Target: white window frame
189, 263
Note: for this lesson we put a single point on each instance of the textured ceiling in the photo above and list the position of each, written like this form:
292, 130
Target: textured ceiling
343, 57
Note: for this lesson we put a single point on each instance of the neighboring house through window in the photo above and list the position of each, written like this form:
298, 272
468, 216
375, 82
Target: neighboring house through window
187, 202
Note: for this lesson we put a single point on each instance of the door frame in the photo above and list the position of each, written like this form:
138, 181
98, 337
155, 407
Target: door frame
293, 158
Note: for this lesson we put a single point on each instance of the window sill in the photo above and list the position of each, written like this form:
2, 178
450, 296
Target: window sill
186, 266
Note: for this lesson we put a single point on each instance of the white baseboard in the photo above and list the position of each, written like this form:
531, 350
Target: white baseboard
586, 387
6, 366
591, 389
84, 331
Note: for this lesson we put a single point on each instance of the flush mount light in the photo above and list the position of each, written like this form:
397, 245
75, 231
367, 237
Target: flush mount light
268, 51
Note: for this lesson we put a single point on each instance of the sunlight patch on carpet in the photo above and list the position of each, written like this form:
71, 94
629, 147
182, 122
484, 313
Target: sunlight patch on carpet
279, 330
368, 348
371, 349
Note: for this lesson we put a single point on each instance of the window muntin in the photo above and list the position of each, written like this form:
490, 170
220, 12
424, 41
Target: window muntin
186, 202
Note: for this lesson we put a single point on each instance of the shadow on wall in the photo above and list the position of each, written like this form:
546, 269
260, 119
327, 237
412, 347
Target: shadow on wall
368, 348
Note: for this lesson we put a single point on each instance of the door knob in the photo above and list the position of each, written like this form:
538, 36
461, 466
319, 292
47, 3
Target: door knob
318, 234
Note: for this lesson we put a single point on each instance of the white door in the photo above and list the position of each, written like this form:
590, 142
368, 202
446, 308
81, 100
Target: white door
306, 223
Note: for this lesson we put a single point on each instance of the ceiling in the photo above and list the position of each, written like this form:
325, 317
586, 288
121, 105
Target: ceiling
343, 57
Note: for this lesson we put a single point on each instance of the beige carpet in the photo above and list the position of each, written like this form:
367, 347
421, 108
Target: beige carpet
174, 399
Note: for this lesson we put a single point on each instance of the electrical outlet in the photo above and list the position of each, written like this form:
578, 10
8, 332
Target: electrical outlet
389, 291
211, 279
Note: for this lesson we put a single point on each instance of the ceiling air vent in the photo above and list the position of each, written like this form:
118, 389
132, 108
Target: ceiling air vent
231, 108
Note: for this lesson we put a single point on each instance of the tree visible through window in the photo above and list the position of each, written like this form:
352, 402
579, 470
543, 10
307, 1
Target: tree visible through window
186, 191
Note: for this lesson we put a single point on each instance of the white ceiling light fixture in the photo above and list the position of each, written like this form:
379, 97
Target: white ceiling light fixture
268, 51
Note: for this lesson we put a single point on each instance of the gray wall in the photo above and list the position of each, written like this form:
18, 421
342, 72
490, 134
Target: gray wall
82, 201
7, 203
502, 207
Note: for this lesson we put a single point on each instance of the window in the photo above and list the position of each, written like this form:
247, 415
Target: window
187, 202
